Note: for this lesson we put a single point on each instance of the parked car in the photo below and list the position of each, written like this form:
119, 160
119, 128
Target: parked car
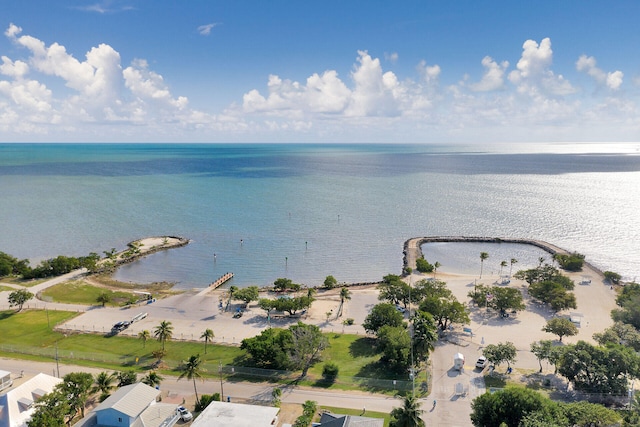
481, 363
184, 413
239, 312
400, 308
120, 326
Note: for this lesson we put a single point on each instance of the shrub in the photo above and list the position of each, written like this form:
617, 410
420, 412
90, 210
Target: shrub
349, 321
424, 266
205, 399
330, 371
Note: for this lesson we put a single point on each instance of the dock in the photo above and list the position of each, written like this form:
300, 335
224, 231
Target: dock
221, 280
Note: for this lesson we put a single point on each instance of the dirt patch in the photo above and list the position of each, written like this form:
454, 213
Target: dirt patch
288, 413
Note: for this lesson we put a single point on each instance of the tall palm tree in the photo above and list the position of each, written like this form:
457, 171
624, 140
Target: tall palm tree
503, 264
103, 383
152, 379
345, 294
192, 370
436, 266
163, 332
483, 256
408, 415
513, 261
207, 336
144, 336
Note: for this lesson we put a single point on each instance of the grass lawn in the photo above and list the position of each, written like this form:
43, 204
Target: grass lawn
18, 281
358, 412
5, 288
79, 292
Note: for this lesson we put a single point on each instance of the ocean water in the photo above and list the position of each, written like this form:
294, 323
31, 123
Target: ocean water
305, 211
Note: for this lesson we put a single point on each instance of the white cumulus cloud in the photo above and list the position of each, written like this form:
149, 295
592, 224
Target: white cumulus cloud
493, 77
588, 64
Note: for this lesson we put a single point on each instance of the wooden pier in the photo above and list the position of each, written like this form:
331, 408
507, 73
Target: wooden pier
222, 280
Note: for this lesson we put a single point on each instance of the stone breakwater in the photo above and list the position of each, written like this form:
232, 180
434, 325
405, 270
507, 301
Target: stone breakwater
413, 251
143, 247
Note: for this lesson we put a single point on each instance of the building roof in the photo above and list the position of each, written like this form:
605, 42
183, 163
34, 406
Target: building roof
328, 419
130, 400
226, 414
16, 404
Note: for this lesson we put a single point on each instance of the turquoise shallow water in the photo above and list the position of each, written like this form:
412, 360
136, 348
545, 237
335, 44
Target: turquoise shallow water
307, 211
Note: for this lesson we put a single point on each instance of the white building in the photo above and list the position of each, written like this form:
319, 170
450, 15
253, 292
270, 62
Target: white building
16, 404
226, 414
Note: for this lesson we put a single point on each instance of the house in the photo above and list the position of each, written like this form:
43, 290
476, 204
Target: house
327, 419
133, 405
227, 414
16, 404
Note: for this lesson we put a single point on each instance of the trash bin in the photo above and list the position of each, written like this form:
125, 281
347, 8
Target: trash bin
228, 398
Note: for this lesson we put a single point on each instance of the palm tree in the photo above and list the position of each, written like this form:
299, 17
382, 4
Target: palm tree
513, 261
144, 336
103, 383
483, 256
152, 379
191, 370
436, 266
163, 332
502, 265
408, 415
207, 336
345, 294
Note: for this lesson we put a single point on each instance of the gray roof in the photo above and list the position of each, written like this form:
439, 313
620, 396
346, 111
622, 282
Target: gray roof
131, 399
336, 420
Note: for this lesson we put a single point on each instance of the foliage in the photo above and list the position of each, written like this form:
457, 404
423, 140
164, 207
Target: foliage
501, 352
539, 274
497, 297
75, 387
394, 290
483, 256
330, 282
276, 396
205, 400
103, 298
247, 294
283, 284
598, 369
424, 266
126, 377
348, 321
144, 335
103, 383
163, 332
308, 411
50, 411
510, 406
408, 415
307, 345
612, 277
12, 266
191, 369
395, 344
152, 379
425, 335
267, 350
560, 326
330, 371
570, 262
542, 350
619, 333
553, 293
19, 298
345, 295
60, 265
290, 305
382, 314
207, 336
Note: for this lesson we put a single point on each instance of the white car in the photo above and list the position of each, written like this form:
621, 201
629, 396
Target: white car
400, 308
184, 413
481, 362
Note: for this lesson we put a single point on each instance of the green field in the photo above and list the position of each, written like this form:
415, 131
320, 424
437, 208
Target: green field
79, 292
29, 335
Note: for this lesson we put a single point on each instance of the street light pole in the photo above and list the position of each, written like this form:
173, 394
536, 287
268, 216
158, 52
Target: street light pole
57, 365
221, 388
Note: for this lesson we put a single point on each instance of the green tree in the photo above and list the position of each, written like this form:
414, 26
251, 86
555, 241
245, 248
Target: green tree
267, 350
542, 350
394, 290
51, 410
382, 314
395, 344
483, 257
207, 336
509, 406
191, 369
19, 298
613, 278
425, 335
75, 387
163, 332
103, 383
126, 377
506, 299
513, 261
247, 294
345, 295
445, 311
436, 266
408, 415
307, 345
292, 305
503, 264
103, 298
152, 379
144, 336
499, 353
619, 333
330, 372
585, 414
424, 266
553, 293
330, 282
560, 326
570, 262
276, 396
283, 284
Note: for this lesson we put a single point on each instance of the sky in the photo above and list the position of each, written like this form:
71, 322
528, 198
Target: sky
429, 71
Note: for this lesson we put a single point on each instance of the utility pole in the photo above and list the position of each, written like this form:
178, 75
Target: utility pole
221, 388
57, 365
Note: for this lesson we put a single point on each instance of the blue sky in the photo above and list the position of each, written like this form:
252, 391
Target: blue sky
331, 71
